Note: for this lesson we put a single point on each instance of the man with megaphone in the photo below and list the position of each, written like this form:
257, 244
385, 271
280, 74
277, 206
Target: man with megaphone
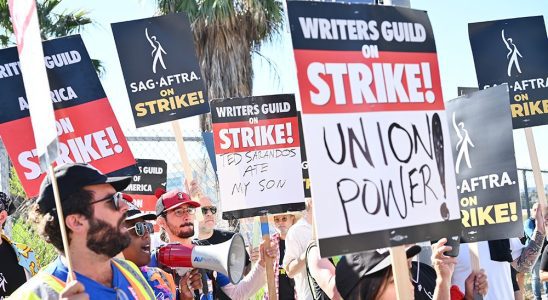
138, 252
176, 216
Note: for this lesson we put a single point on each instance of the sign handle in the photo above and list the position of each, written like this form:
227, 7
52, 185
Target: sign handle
183, 156
474, 263
270, 279
62, 226
182, 150
535, 166
400, 271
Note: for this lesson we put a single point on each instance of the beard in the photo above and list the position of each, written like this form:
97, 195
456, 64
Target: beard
106, 240
181, 233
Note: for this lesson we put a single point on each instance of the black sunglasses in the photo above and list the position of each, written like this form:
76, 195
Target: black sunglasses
142, 227
213, 210
116, 198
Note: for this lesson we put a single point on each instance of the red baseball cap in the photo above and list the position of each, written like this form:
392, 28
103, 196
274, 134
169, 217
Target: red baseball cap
173, 199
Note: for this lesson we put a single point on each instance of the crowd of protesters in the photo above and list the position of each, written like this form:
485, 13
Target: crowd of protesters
110, 247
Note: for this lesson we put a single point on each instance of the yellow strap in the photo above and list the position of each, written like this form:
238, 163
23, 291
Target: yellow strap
55, 283
141, 290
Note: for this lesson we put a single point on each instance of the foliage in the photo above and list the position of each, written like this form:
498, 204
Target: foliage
53, 24
15, 187
22, 232
226, 33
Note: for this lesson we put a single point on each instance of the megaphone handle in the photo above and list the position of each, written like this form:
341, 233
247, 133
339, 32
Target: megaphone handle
269, 264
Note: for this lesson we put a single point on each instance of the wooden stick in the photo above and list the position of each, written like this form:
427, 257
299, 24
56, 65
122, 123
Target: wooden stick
270, 279
183, 156
474, 263
400, 271
71, 276
535, 166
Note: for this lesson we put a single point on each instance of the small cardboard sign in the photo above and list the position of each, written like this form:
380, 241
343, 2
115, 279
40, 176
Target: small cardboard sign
258, 155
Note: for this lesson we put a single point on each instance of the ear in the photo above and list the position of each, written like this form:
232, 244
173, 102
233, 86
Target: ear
76, 223
161, 221
3, 217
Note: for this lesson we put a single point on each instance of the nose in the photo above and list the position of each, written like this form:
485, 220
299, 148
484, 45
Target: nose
122, 206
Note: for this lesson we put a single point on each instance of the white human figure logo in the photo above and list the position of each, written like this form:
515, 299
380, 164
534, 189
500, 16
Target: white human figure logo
3, 282
512, 55
157, 51
464, 142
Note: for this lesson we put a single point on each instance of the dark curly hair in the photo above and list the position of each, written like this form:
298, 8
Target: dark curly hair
47, 224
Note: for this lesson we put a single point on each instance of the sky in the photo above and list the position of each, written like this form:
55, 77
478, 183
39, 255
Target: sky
274, 68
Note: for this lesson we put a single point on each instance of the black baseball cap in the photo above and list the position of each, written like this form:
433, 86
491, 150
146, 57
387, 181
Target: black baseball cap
71, 178
353, 267
134, 212
6, 203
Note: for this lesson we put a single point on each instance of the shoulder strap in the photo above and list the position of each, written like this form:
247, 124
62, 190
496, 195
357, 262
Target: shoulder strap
311, 281
135, 278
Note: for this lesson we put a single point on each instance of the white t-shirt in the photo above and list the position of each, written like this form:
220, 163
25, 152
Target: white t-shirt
498, 273
298, 237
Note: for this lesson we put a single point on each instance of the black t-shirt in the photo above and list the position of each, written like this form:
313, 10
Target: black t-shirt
286, 285
219, 236
12, 275
424, 280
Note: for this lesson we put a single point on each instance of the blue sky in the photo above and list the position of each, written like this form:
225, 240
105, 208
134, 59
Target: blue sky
449, 20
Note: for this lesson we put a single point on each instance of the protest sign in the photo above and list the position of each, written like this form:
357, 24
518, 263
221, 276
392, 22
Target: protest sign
161, 71
514, 51
87, 129
304, 163
152, 175
24, 18
258, 155
381, 169
485, 165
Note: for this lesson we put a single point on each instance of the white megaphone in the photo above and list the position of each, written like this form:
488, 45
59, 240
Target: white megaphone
227, 258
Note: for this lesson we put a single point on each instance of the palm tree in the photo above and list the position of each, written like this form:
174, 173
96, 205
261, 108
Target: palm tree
226, 33
52, 24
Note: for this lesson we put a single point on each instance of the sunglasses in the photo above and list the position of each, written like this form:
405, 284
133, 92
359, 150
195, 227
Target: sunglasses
116, 198
281, 219
142, 227
212, 209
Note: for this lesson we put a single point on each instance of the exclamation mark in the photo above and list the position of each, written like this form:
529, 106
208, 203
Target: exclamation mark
114, 139
428, 95
289, 132
201, 96
513, 211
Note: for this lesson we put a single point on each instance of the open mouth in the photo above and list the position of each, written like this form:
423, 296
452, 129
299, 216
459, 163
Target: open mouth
146, 248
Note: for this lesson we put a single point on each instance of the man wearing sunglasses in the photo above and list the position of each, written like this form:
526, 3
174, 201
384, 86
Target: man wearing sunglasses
94, 215
208, 234
138, 252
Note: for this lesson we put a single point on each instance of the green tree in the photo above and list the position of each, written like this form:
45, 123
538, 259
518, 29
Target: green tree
53, 24
226, 33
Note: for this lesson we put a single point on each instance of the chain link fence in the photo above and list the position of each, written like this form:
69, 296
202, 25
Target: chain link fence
152, 142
